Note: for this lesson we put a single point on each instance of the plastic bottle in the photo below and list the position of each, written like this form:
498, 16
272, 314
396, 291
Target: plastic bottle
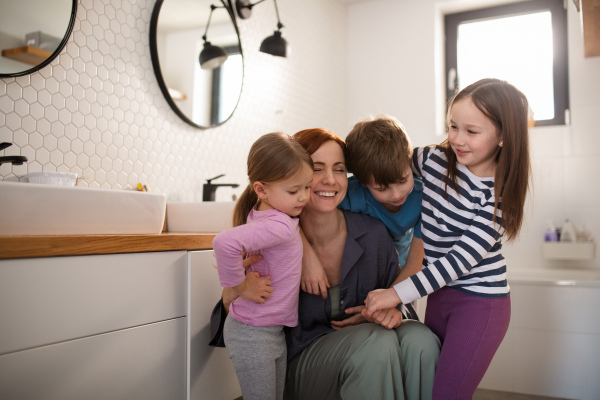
568, 233
583, 235
551, 235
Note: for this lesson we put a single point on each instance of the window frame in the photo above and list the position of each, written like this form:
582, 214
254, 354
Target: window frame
215, 92
558, 12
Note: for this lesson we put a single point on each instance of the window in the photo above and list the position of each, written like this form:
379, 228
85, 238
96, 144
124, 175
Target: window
523, 43
216, 91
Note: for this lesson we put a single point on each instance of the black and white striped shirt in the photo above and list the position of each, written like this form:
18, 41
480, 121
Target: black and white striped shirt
462, 244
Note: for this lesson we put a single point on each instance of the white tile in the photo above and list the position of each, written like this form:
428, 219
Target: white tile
14, 91
35, 140
50, 142
58, 101
51, 113
56, 158
21, 108
28, 124
83, 161
30, 94
6, 104
70, 159
43, 157
36, 111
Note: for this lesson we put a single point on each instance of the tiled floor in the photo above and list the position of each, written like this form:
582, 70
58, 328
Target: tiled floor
482, 394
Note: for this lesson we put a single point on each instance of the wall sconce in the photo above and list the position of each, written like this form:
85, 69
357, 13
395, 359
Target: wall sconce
274, 44
211, 56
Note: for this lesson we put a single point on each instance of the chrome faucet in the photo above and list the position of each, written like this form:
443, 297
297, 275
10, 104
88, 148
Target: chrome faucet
14, 160
209, 189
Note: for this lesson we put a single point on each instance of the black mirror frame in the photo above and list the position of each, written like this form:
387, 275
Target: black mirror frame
156, 64
60, 47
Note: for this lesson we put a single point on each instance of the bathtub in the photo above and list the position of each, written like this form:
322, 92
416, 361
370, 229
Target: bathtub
552, 347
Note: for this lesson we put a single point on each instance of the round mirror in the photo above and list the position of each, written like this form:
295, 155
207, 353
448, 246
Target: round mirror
201, 97
33, 33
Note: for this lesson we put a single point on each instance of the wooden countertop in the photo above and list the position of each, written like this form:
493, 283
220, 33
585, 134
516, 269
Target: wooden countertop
51, 246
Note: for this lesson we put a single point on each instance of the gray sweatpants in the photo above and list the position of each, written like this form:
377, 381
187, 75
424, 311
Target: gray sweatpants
259, 356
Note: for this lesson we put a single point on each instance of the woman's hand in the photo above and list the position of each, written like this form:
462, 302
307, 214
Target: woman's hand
390, 318
255, 287
355, 319
381, 299
313, 279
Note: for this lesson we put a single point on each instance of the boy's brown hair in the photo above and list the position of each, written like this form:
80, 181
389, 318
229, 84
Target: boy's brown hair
379, 148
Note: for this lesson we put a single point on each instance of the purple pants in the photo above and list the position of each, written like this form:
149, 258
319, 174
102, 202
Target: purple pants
471, 329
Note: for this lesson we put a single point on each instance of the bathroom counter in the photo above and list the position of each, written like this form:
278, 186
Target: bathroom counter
51, 246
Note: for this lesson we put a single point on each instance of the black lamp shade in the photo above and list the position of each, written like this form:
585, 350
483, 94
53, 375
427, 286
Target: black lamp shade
212, 56
275, 45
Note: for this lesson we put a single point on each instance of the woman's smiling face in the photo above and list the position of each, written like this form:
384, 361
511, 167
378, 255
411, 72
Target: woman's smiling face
330, 181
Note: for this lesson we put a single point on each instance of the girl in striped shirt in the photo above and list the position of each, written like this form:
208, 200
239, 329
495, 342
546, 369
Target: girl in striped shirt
474, 189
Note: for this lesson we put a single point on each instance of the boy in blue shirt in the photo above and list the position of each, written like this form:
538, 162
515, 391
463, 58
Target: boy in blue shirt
379, 154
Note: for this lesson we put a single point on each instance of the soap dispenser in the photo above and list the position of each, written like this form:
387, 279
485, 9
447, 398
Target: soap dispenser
568, 233
551, 235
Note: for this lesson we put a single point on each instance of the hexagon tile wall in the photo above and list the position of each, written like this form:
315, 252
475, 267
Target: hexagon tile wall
97, 109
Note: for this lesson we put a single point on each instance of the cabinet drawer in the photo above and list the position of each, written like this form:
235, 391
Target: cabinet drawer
49, 300
211, 371
146, 362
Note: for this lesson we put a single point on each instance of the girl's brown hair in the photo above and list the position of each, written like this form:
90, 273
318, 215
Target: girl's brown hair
272, 158
507, 108
313, 139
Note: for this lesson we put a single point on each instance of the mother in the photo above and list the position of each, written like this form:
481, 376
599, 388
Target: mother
334, 352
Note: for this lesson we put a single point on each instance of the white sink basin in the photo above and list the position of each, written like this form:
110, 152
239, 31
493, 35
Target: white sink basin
36, 209
203, 217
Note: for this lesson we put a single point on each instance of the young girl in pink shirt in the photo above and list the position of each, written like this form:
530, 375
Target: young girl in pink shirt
280, 172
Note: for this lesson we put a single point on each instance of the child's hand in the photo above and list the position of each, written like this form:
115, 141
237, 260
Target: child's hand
254, 288
313, 279
390, 318
381, 299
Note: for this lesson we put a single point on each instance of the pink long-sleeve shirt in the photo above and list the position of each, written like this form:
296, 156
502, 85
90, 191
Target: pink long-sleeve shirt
276, 236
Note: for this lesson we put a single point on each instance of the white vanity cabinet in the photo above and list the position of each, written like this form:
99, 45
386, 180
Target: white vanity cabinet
94, 327
212, 376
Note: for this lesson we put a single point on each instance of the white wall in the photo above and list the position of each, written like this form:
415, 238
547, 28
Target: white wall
395, 66
98, 111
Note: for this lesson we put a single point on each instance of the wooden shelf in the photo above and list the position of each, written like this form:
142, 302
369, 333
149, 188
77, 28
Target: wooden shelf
27, 54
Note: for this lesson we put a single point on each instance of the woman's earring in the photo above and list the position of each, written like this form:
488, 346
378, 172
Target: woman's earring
501, 142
